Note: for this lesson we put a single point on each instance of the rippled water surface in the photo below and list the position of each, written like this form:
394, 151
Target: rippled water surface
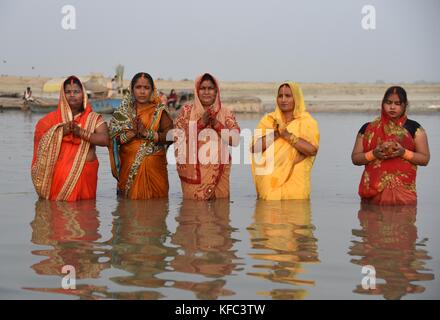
236, 249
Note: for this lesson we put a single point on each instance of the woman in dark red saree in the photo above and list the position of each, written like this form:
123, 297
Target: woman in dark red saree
391, 147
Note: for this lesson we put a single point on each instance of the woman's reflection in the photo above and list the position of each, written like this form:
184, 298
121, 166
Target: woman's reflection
71, 228
388, 243
139, 245
282, 236
205, 247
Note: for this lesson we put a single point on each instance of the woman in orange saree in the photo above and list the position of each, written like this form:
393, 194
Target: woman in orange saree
64, 164
205, 131
138, 131
391, 147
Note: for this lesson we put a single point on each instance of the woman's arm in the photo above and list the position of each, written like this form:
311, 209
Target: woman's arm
166, 124
263, 143
360, 158
358, 155
303, 146
232, 137
421, 156
100, 137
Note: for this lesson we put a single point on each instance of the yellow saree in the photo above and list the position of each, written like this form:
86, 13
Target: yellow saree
282, 172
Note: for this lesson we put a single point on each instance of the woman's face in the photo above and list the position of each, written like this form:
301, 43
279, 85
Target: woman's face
142, 90
393, 107
207, 93
285, 99
74, 96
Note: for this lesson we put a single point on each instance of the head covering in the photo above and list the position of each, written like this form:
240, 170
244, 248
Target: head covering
198, 110
122, 121
273, 169
204, 177
64, 111
390, 181
123, 117
299, 110
47, 145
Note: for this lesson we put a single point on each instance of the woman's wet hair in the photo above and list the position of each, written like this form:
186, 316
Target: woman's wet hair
139, 75
401, 93
72, 80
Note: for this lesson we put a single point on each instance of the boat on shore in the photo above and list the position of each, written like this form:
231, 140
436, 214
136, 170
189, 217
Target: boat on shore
41, 105
105, 105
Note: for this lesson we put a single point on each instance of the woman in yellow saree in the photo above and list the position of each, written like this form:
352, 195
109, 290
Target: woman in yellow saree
284, 148
138, 143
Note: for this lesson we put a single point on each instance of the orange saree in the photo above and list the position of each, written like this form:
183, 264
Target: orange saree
139, 165
59, 167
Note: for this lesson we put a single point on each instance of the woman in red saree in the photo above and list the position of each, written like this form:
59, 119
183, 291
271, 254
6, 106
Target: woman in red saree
205, 130
138, 132
391, 147
64, 165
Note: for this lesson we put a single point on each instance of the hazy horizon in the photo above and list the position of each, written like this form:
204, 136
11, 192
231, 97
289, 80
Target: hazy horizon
258, 41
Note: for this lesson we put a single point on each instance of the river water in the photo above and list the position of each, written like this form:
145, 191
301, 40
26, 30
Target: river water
239, 248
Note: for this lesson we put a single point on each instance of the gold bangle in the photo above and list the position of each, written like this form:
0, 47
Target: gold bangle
408, 155
370, 156
293, 139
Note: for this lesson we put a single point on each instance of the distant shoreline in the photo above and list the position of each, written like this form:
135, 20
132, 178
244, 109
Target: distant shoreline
319, 97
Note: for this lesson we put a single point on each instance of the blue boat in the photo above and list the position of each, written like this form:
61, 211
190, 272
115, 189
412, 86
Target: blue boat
107, 105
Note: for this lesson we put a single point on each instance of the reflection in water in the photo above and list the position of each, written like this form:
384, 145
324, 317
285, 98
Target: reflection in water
71, 228
388, 243
138, 246
282, 234
205, 246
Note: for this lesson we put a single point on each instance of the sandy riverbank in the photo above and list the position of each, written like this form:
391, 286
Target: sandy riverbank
259, 96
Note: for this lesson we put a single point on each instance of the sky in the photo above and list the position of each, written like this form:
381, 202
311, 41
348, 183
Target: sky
236, 40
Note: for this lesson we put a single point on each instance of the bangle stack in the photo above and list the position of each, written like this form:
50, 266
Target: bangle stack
149, 134
85, 135
293, 139
123, 138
